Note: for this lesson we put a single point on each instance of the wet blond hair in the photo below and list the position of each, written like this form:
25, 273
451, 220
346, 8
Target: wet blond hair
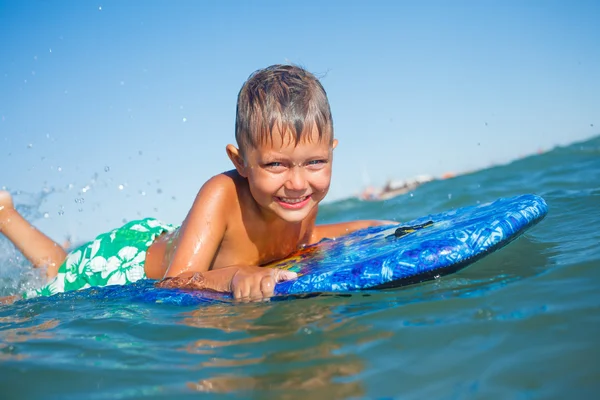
286, 96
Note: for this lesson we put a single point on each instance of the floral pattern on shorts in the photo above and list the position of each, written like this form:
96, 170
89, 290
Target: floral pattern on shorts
113, 258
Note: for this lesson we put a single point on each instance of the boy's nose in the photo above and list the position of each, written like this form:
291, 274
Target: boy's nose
296, 179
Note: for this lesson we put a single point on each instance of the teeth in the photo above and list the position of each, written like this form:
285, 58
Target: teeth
292, 201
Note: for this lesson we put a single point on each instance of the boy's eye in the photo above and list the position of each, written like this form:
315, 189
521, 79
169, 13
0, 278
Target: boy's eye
316, 164
274, 166
281, 166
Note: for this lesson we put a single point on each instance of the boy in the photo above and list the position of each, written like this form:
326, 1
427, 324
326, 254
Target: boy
262, 211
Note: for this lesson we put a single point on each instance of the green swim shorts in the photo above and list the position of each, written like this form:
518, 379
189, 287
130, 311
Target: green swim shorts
113, 258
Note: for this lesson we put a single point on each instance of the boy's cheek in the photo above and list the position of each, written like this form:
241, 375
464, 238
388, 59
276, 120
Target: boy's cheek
325, 182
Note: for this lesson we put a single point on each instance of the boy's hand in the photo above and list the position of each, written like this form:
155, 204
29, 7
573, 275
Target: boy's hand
257, 283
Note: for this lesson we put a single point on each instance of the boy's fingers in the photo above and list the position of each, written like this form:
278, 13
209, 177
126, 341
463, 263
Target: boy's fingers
237, 294
267, 285
283, 275
256, 292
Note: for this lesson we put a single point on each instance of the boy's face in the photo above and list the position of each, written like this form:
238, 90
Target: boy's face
287, 179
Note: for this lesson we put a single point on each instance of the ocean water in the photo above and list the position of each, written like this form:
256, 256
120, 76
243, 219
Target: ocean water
523, 323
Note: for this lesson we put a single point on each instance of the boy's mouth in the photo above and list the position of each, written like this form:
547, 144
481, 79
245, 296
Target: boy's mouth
292, 202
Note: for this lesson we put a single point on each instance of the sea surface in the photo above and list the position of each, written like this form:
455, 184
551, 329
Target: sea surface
523, 323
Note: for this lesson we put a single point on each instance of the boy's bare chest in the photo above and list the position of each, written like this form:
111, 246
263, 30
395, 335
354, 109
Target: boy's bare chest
257, 246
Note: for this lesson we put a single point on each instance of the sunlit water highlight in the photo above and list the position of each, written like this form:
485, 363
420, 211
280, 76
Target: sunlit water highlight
523, 322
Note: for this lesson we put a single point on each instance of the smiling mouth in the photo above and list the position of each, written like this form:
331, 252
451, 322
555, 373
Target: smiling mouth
292, 200
293, 203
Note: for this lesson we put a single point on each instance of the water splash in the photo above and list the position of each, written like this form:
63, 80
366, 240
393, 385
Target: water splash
16, 273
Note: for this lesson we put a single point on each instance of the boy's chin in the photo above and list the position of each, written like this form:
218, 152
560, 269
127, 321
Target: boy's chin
295, 220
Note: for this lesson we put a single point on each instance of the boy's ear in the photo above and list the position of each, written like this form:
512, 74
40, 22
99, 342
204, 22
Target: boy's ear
236, 158
334, 144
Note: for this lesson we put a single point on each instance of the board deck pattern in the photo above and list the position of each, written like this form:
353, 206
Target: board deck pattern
431, 246
378, 257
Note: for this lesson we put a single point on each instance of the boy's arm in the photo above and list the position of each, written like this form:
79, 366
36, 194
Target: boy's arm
202, 231
333, 231
243, 282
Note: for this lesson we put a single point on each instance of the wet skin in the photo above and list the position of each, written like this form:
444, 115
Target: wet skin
262, 211
251, 241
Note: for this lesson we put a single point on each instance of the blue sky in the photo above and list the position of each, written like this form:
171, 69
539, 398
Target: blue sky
124, 108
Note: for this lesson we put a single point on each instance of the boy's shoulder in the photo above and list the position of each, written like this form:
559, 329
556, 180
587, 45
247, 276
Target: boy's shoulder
227, 188
219, 197
226, 182
223, 199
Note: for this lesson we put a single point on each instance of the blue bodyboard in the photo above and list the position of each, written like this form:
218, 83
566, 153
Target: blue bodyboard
377, 257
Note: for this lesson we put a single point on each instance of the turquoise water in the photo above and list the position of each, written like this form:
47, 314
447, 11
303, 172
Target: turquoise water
523, 322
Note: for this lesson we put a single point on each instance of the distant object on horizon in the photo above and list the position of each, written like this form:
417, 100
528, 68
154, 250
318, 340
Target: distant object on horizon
393, 188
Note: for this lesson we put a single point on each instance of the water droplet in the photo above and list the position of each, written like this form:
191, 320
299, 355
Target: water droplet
30, 145
159, 190
121, 187
46, 215
106, 169
61, 212
143, 193
59, 169
99, 8
184, 119
449, 196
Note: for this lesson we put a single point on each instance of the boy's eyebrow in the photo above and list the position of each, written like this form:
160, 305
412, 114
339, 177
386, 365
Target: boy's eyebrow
280, 157
272, 157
